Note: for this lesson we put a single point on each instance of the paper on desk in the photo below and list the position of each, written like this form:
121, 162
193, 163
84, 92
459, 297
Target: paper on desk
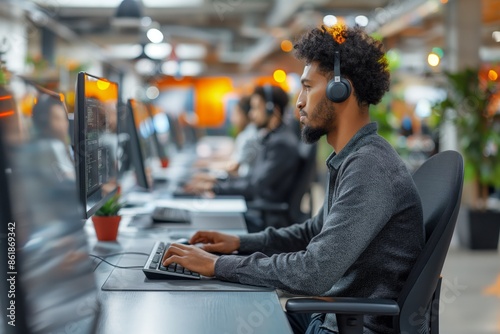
231, 205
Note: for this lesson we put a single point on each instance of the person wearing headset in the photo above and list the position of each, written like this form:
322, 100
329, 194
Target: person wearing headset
272, 174
369, 232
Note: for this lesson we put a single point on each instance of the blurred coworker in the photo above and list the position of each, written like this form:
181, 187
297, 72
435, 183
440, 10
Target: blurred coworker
245, 144
353, 247
51, 124
273, 173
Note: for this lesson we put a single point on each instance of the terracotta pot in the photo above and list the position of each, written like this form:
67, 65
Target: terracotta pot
106, 227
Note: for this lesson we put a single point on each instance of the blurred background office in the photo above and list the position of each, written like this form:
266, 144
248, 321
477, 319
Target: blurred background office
191, 61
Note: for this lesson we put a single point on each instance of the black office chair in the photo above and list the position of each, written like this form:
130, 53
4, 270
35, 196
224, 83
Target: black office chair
290, 212
439, 182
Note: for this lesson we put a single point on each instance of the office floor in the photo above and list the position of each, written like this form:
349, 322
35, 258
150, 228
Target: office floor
470, 294
470, 302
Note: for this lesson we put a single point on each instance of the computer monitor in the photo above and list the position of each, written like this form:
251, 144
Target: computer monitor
137, 146
46, 276
161, 134
96, 140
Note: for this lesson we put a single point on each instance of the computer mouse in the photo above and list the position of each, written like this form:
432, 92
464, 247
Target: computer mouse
183, 241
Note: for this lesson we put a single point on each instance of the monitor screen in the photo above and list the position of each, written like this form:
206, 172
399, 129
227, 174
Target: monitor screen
96, 140
46, 275
133, 150
161, 126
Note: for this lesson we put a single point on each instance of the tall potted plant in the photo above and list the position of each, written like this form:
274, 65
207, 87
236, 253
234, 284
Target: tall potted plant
106, 220
478, 125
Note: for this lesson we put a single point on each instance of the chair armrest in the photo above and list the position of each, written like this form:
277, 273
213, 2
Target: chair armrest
342, 305
267, 206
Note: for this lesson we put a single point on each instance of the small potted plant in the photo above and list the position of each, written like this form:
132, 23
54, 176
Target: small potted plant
106, 220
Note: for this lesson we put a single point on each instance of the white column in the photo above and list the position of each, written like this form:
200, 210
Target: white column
463, 33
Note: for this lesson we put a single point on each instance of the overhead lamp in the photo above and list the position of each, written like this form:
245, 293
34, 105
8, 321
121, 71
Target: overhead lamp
330, 20
496, 36
361, 20
157, 51
155, 35
128, 14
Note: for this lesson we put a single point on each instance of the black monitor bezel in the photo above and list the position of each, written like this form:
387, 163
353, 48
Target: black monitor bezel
80, 147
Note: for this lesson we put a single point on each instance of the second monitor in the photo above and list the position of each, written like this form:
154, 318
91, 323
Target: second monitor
96, 140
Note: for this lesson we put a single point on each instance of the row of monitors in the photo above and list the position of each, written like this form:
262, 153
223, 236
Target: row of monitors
113, 141
46, 275
109, 141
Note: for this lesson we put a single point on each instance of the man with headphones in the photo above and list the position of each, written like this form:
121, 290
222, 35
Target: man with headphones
366, 238
272, 175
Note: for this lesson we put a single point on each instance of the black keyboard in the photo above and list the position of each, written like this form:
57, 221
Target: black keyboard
154, 269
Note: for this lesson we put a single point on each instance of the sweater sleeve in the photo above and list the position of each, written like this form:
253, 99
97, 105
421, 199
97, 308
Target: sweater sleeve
360, 209
287, 239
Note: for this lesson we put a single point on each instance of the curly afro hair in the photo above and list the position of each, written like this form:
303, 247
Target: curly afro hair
362, 59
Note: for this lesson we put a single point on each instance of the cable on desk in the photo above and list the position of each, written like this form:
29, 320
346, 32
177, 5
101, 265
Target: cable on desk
103, 259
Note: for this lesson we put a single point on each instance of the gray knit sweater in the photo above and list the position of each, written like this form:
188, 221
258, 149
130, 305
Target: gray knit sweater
362, 243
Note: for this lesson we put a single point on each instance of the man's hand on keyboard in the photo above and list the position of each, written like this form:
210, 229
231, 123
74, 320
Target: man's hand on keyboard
190, 257
216, 242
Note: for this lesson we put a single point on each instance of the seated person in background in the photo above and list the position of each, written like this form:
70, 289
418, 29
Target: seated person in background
274, 170
366, 238
50, 121
246, 145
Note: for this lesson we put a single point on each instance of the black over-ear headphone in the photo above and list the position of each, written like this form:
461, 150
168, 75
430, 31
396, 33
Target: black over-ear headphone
268, 96
338, 89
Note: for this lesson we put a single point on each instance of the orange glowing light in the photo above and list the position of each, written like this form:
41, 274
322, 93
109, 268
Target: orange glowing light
279, 76
7, 113
286, 45
492, 75
6, 97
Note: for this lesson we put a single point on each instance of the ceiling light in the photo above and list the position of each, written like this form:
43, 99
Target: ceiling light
330, 20
361, 20
146, 21
152, 92
172, 3
286, 45
191, 68
279, 76
124, 51
80, 3
433, 59
155, 35
157, 51
190, 51
496, 36
492, 75
128, 14
145, 66
170, 67
129, 8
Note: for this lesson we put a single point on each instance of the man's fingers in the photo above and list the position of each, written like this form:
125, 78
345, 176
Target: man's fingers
200, 236
211, 247
174, 249
174, 258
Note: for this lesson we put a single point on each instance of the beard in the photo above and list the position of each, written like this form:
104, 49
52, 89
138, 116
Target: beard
325, 114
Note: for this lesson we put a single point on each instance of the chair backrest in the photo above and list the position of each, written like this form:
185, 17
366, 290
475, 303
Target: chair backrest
305, 175
439, 182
